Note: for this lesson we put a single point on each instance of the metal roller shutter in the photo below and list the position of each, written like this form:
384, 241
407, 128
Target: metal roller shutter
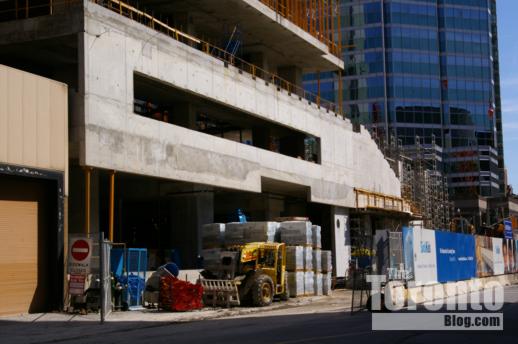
23, 246
18, 255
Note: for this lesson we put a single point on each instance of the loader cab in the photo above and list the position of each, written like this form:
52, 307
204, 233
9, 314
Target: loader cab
270, 259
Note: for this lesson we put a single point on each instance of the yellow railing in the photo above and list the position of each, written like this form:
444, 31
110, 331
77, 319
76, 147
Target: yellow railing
150, 21
373, 200
135, 14
320, 18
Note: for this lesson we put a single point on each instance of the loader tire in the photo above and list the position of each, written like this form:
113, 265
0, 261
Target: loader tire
262, 291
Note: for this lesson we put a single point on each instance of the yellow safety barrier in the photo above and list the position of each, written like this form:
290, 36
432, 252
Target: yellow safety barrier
373, 200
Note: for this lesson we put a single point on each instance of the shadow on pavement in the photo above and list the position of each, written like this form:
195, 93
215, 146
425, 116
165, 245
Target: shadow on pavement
336, 327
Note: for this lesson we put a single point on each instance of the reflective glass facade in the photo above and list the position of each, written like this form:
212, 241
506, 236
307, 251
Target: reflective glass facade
427, 68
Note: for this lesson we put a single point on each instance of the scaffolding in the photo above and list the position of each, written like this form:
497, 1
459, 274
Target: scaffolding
423, 184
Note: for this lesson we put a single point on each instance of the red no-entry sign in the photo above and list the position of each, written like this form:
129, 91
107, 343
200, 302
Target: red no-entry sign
80, 250
79, 255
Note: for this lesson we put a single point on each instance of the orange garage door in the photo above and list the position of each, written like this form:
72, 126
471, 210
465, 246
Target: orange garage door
23, 255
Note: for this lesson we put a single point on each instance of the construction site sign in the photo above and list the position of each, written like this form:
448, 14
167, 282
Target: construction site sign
76, 285
79, 256
508, 229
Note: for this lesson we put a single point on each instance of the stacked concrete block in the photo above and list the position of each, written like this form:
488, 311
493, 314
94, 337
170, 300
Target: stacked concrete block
327, 261
316, 236
326, 283
211, 258
296, 283
295, 233
309, 283
294, 258
318, 283
237, 233
317, 260
234, 233
308, 258
212, 235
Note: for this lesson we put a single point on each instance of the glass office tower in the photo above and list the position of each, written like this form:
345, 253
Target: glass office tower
427, 69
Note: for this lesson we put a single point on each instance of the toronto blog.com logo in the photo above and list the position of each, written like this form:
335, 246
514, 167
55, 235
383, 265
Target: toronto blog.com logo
464, 305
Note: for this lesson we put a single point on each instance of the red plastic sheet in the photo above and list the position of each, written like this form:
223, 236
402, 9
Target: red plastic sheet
179, 296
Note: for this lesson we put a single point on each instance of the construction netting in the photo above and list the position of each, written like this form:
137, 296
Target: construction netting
179, 296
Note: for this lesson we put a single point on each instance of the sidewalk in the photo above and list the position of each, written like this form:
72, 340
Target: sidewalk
51, 327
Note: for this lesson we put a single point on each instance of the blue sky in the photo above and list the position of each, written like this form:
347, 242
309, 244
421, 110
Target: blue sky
507, 12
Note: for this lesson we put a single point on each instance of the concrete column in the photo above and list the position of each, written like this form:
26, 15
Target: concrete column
273, 206
341, 241
184, 21
184, 115
291, 73
94, 202
76, 201
189, 212
258, 59
366, 225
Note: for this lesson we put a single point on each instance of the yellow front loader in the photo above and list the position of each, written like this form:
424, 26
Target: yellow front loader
252, 274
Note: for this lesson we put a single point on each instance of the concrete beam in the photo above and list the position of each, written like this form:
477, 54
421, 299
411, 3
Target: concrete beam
260, 27
63, 23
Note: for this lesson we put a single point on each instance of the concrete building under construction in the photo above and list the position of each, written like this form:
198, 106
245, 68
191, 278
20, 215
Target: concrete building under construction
183, 112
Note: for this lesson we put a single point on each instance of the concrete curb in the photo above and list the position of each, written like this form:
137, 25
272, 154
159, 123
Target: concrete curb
208, 313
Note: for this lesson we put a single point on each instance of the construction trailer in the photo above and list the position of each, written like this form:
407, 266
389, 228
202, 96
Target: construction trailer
170, 131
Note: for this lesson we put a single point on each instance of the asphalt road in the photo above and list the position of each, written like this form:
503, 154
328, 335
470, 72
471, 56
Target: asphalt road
334, 326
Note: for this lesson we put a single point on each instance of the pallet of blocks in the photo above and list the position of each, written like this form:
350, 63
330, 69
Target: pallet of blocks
237, 233
212, 235
316, 236
296, 283
327, 271
327, 280
212, 240
317, 260
296, 233
295, 270
308, 258
294, 258
318, 283
309, 283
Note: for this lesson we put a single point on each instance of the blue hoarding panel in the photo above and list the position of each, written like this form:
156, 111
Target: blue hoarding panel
508, 229
455, 256
466, 259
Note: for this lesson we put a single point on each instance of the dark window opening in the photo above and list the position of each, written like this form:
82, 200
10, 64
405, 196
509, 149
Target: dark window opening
162, 102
